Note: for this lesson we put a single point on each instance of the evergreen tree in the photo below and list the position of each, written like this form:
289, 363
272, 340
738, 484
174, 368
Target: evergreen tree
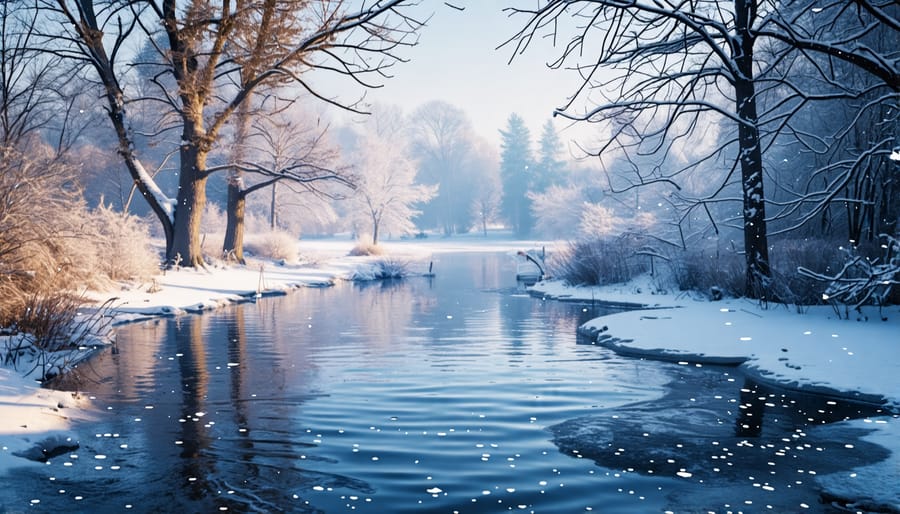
516, 169
549, 169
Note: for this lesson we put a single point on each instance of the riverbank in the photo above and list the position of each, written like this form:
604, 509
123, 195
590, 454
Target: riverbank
815, 351
33, 419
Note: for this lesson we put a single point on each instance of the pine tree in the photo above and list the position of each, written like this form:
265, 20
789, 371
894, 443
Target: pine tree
516, 170
549, 169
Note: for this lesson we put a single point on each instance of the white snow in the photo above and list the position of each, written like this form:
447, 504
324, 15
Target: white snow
167, 204
815, 350
29, 415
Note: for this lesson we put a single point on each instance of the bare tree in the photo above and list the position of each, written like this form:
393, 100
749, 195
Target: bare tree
215, 55
661, 71
277, 148
488, 192
442, 141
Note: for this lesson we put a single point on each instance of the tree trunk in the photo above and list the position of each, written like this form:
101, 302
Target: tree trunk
756, 246
273, 215
186, 249
375, 230
233, 248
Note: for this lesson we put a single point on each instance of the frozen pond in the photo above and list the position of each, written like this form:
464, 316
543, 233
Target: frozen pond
456, 393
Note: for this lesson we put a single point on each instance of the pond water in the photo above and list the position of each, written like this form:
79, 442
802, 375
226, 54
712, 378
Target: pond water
456, 393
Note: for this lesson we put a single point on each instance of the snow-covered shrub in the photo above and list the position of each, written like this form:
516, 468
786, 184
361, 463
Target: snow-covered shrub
863, 280
42, 229
275, 244
122, 245
214, 219
598, 261
211, 245
390, 267
788, 255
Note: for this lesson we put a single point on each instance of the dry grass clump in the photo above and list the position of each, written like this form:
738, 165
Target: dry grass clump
366, 249
709, 271
52, 246
275, 244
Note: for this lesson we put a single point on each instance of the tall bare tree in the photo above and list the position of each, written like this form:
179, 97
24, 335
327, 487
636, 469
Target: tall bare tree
215, 55
660, 71
442, 141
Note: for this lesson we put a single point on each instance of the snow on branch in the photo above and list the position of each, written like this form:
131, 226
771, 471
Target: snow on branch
862, 280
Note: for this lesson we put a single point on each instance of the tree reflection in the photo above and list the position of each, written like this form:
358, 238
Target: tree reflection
194, 387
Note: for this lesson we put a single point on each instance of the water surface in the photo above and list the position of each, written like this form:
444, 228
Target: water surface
457, 393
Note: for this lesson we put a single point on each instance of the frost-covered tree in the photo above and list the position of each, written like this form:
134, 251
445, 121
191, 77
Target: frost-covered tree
442, 142
548, 168
516, 164
386, 191
214, 57
486, 197
660, 73
283, 148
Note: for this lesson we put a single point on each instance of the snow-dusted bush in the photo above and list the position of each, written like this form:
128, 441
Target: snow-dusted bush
214, 219
863, 280
390, 267
41, 219
51, 244
598, 261
122, 245
275, 244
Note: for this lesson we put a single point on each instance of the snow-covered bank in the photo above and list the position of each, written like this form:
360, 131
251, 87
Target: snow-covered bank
32, 418
815, 351
324, 262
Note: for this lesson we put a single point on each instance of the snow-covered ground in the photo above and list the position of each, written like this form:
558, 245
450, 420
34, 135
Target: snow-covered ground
816, 350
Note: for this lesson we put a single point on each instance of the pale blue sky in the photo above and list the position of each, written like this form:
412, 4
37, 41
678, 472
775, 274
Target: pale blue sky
456, 60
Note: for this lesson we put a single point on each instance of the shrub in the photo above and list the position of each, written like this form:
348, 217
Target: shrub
708, 270
51, 244
862, 280
366, 249
392, 268
275, 244
52, 333
122, 244
598, 261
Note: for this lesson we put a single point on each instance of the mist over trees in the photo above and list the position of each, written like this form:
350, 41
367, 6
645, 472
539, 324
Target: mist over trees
726, 129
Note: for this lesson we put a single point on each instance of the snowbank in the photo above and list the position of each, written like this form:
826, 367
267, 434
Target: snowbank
34, 421
814, 351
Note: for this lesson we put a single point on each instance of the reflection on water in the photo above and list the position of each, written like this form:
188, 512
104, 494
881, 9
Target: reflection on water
454, 393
